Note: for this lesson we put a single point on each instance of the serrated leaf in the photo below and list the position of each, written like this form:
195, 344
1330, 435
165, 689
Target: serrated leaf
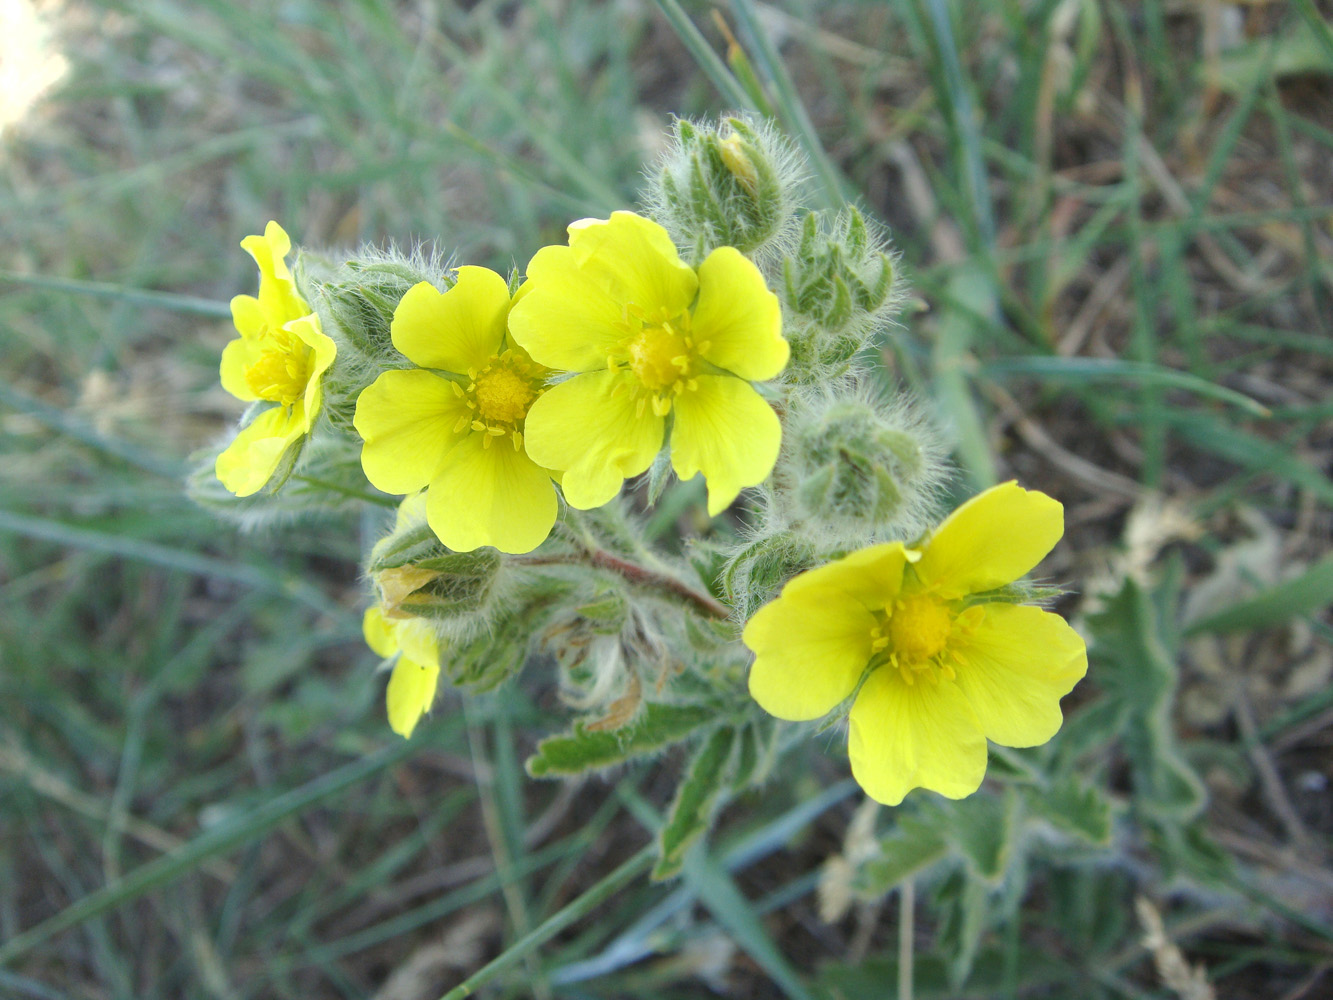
1133, 653
963, 910
913, 846
656, 728
982, 828
691, 813
1075, 807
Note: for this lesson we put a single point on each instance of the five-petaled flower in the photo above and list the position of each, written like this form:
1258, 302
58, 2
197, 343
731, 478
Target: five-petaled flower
457, 429
651, 339
416, 671
279, 358
947, 669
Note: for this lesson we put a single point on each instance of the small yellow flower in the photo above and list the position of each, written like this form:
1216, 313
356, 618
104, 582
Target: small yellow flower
947, 670
416, 672
457, 430
650, 337
280, 357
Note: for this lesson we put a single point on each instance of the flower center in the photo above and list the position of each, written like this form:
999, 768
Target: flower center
660, 355
499, 395
919, 627
283, 369
503, 395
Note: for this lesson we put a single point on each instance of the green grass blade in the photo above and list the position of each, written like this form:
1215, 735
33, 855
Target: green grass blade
162, 555
226, 837
1113, 370
131, 296
708, 60
1306, 594
557, 922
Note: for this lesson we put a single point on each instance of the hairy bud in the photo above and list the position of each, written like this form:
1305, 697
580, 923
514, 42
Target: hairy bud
416, 576
729, 184
853, 469
754, 574
356, 302
837, 288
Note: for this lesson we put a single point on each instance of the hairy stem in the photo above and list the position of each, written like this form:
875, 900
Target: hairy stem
635, 573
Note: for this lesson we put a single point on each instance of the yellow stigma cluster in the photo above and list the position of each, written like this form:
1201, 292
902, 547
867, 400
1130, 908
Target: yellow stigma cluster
282, 371
498, 397
663, 356
915, 631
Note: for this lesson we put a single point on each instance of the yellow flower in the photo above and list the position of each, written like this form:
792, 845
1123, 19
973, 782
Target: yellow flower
280, 358
460, 434
650, 337
416, 673
947, 668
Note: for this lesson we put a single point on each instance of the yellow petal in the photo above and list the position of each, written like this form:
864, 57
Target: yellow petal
410, 694
490, 495
991, 540
810, 650
635, 258
277, 293
308, 330
565, 318
921, 735
737, 320
457, 330
870, 577
251, 459
407, 420
418, 640
1015, 667
248, 317
378, 632
590, 428
725, 430
237, 357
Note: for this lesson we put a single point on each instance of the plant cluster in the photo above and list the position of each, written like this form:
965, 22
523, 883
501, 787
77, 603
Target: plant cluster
727, 332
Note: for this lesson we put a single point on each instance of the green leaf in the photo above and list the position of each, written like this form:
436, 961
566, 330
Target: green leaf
1133, 655
691, 812
913, 846
982, 828
963, 908
1304, 595
1074, 807
580, 750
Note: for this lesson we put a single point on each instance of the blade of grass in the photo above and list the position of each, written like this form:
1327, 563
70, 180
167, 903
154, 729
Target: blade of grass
219, 840
791, 109
249, 574
704, 56
1306, 594
1113, 370
108, 290
553, 925
67, 423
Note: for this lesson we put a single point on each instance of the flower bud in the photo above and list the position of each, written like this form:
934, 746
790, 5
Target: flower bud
837, 289
356, 302
854, 469
415, 575
729, 184
755, 574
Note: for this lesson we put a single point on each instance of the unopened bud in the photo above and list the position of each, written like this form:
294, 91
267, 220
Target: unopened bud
755, 574
837, 289
416, 576
853, 469
729, 184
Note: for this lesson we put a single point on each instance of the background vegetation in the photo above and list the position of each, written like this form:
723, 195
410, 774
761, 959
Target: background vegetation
1116, 219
